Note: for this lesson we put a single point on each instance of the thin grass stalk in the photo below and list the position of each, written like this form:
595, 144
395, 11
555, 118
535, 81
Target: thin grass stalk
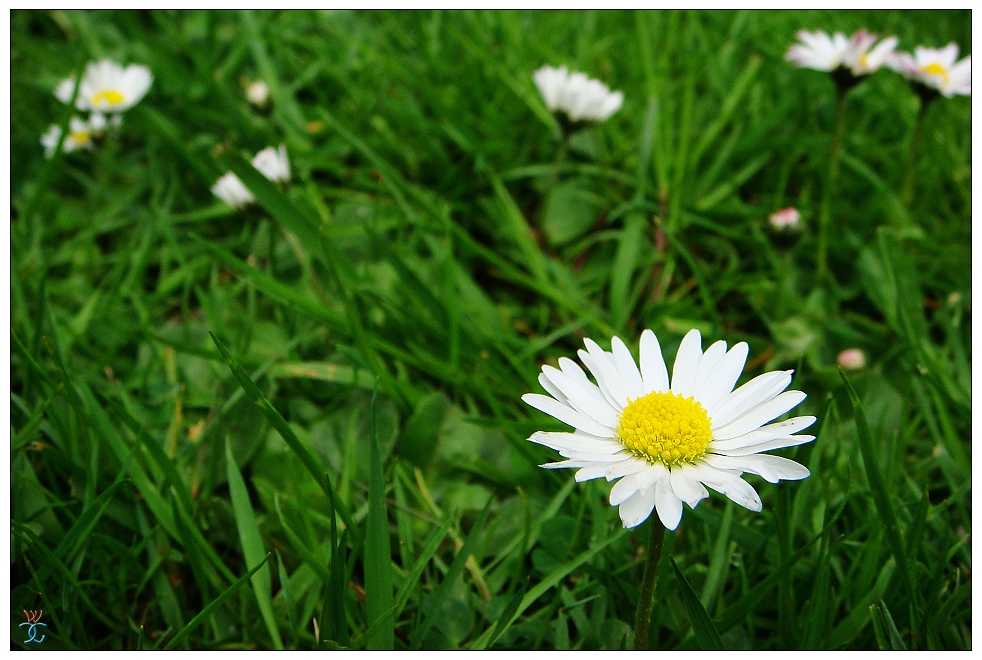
656, 540
908, 190
825, 217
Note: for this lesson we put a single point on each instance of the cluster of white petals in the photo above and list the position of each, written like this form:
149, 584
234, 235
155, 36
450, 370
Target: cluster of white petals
936, 68
738, 419
79, 136
820, 51
274, 165
580, 97
107, 87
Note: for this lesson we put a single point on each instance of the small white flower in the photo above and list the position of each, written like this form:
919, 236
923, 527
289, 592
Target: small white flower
936, 68
666, 443
79, 137
788, 218
98, 122
852, 359
820, 51
107, 87
257, 93
273, 163
577, 95
232, 191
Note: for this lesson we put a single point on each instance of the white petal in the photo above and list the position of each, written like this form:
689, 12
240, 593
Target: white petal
687, 488
579, 442
554, 391
760, 415
622, 490
779, 442
567, 415
627, 368
607, 372
587, 360
631, 465
653, 370
749, 395
721, 382
765, 433
707, 366
585, 402
636, 509
669, 506
728, 483
594, 471
646, 478
575, 372
686, 363
771, 468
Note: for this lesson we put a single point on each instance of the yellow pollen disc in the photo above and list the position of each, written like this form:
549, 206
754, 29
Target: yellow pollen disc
665, 427
935, 69
863, 60
110, 96
80, 137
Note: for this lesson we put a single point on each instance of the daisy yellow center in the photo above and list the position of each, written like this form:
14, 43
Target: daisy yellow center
80, 137
664, 427
935, 69
110, 96
864, 60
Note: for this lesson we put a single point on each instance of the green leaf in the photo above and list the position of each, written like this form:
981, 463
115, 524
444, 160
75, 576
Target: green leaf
252, 545
570, 211
378, 552
702, 625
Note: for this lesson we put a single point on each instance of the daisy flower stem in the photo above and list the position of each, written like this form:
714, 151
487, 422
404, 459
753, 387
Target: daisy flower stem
908, 190
825, 218
648, 583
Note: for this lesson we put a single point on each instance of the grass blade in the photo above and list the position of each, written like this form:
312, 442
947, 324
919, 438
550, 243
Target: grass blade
706, 634
378, 552
276, 419
213, 605
252, 545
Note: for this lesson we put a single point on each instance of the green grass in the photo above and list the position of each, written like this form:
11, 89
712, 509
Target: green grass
348, 446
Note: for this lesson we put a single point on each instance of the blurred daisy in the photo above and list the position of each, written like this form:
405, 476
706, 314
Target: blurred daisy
851, 359
232, 191
107, 87
788, 218
666, 443
936, 68
257, 93
820, 51
579, 97
79, 137
273, 163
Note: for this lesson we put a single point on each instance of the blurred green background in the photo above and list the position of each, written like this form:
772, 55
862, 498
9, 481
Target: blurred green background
433, 250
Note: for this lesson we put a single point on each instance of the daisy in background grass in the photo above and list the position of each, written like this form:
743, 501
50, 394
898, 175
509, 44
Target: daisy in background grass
665, 441
272, 162
848, 61
931, 72
107, 87
79, 136
577, 96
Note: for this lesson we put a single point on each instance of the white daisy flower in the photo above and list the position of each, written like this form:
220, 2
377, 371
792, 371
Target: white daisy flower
789, 218
79, 137
273, 163
257, 93
580, 97
107, 87
820, 51
936, 68
232, 191
666, 443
